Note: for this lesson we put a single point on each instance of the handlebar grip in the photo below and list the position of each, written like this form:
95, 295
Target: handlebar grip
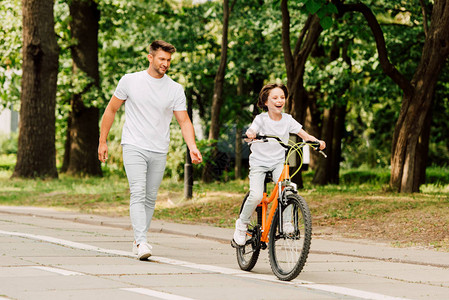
316, 146
258, 136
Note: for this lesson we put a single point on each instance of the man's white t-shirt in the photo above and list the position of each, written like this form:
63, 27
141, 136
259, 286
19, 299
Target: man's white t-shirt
149, 107
271, 153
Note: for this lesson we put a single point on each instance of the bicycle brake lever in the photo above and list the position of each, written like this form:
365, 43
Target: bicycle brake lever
322, 153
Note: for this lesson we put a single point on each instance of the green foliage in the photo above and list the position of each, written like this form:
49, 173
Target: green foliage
7, 162
381, 176
10, 55
362, 176
114, 164
437, 176
8, 144
255, 57
176, 156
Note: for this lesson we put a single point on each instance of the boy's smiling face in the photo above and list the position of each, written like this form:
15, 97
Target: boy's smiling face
276, 100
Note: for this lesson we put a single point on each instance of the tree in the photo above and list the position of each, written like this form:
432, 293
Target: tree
217, 99
36, 145
333, 87
82, 134
255, 57
410, 139
295, 62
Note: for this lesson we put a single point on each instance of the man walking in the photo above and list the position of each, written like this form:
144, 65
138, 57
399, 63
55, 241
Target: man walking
151, 99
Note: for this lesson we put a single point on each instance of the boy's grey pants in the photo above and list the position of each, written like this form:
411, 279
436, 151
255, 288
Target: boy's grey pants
256, 186
145, 170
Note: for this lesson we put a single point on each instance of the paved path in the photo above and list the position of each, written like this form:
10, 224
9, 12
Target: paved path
50, 254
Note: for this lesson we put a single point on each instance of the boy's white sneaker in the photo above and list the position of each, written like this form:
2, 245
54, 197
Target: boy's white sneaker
288, 228
144, 251
240, 232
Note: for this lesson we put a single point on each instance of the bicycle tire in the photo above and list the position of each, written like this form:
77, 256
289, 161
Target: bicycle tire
248, 254
288, 252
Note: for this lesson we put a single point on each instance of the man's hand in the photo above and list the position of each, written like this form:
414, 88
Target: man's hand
103, 152
196, 156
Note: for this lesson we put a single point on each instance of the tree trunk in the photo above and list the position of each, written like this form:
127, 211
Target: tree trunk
406, 169
36, 155
83, 130
327, 170
238, 130
423, 146
217, 99
295, 64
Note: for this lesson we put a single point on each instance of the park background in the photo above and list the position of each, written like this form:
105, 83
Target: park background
368, 77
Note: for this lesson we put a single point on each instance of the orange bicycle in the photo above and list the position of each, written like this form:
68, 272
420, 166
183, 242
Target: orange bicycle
287, 230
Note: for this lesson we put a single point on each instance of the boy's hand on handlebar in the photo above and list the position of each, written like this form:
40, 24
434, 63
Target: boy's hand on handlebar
318, 145
322, 144
251, 134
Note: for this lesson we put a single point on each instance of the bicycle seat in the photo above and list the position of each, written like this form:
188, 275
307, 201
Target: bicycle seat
268, 177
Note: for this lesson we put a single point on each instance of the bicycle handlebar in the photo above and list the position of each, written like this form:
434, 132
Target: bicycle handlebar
314, 144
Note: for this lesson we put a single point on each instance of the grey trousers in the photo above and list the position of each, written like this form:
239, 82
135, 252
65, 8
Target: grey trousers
256, 185
145, 170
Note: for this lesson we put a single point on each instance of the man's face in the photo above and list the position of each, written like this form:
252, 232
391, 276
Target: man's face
160, 61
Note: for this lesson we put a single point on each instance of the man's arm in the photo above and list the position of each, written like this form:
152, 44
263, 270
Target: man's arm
106, 123
189, 135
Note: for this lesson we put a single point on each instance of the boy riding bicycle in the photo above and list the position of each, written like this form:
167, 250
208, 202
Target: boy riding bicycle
267, 156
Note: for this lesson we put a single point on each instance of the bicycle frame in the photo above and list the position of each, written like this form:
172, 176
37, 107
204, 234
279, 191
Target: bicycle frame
274, 196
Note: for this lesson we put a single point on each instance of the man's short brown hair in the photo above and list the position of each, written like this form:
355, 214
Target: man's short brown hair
159, 44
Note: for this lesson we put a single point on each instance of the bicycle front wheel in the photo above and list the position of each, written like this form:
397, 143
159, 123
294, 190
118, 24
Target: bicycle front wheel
289, 240
248, 254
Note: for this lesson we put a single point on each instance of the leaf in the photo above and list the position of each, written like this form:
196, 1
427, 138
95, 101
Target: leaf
276, 4
313, 6
332, 8
326, 22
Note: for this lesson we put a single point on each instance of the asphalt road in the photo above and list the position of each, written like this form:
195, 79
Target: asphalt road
48, 254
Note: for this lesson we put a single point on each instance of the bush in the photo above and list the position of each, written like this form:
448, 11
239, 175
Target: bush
7, 162
8, 144
434, 175
359, 176
437, 175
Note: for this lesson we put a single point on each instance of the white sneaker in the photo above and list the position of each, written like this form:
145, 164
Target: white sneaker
144, 251
288, 228
240, 232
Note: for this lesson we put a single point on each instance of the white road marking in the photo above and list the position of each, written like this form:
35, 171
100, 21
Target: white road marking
215, 269
58, 271
156, 294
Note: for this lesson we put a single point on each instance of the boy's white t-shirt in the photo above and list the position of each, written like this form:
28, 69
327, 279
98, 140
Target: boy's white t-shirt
271, 153
149, 107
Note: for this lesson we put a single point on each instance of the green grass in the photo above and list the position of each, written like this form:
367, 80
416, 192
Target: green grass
356, 209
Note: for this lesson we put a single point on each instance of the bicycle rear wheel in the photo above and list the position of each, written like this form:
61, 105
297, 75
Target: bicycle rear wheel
288, 251
248, 254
